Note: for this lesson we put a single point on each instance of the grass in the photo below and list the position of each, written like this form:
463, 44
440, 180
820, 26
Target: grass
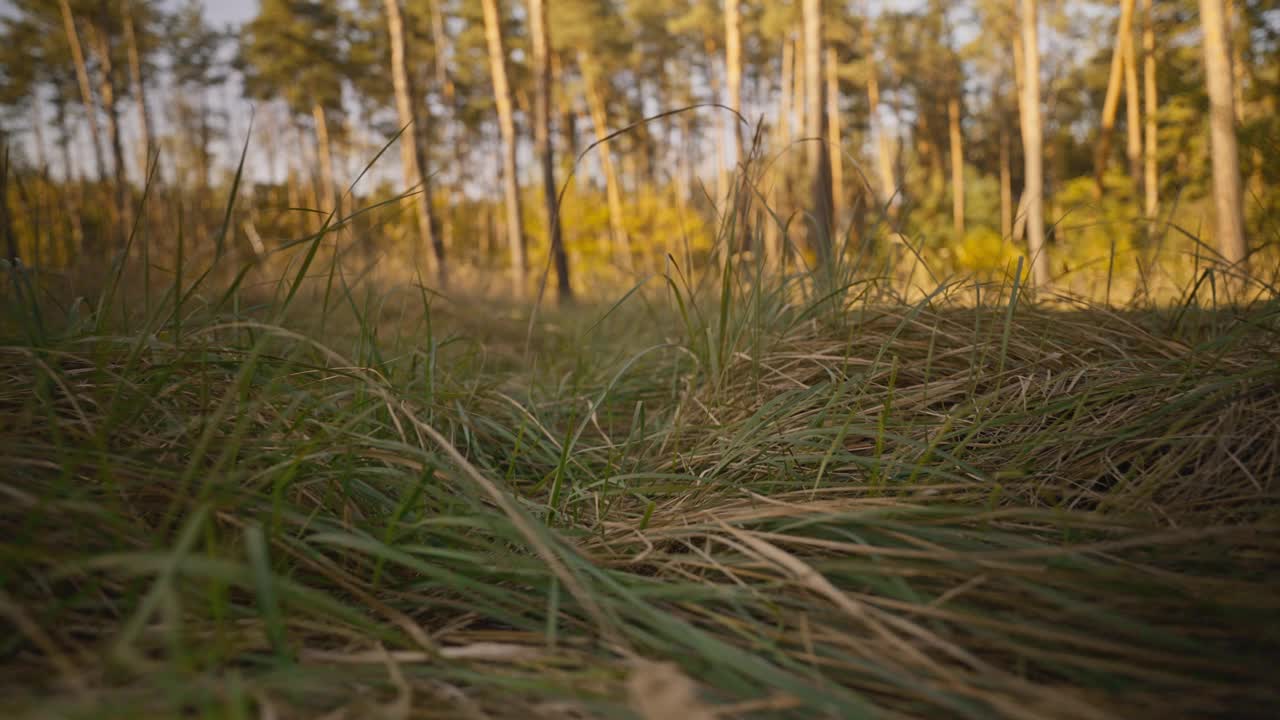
803, 497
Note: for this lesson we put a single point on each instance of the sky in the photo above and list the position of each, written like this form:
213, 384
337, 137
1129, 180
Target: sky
222, 11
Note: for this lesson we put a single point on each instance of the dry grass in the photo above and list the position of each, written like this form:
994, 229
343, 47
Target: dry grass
786, 499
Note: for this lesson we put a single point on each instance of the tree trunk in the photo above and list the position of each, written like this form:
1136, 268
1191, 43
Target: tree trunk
409, 165
6, 220
798, 104
139, 92
817, 162
785, 92
835, 152
324, 149
1033, 145
1133, 114
733, 69
1226, 160
1112, 101
957, 167
440, 66
613, 192
1006, 182
545, 148
107, 91
884, 153
1151, 180
86, 91
507, 125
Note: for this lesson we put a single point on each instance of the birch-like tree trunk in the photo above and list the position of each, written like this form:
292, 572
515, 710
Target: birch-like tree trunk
1033, 145
507, 126
1112, 100
1228, 217
410, 167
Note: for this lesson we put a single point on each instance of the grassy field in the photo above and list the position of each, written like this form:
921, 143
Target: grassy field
726, 497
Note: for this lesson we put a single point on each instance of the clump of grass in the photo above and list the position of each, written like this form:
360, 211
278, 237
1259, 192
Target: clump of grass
795, 497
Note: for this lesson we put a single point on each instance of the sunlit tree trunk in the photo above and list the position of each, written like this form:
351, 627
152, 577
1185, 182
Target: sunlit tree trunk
834, 154
324, 149
1133, 113
1222, 119
1033, 145
545, 148
440, 43
884, 149
409, 163
86, 91
139, 87
733, 68
1151, 179
1006, 182
507, 125
957, 167
612, 187
1112, 100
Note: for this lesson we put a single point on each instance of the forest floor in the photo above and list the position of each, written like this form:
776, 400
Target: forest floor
769, 501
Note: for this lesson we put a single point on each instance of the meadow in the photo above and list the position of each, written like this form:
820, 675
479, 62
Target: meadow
732, 491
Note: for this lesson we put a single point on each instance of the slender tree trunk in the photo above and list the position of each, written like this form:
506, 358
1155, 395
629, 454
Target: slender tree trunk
772, 233
785, 93
835, 152
100, 40
884, 153
1151, 179
1006, 182
410, 167
1033, 145
444, 83
507, 125
720, 139
1133, 113
1236, 41
733, 68
324, 148
71, 178
1226, 160
613, 192
37, 126
1112, 101
86, 91
139, 92
957, 167
6, 218
817, 162
545, 148
798, 104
